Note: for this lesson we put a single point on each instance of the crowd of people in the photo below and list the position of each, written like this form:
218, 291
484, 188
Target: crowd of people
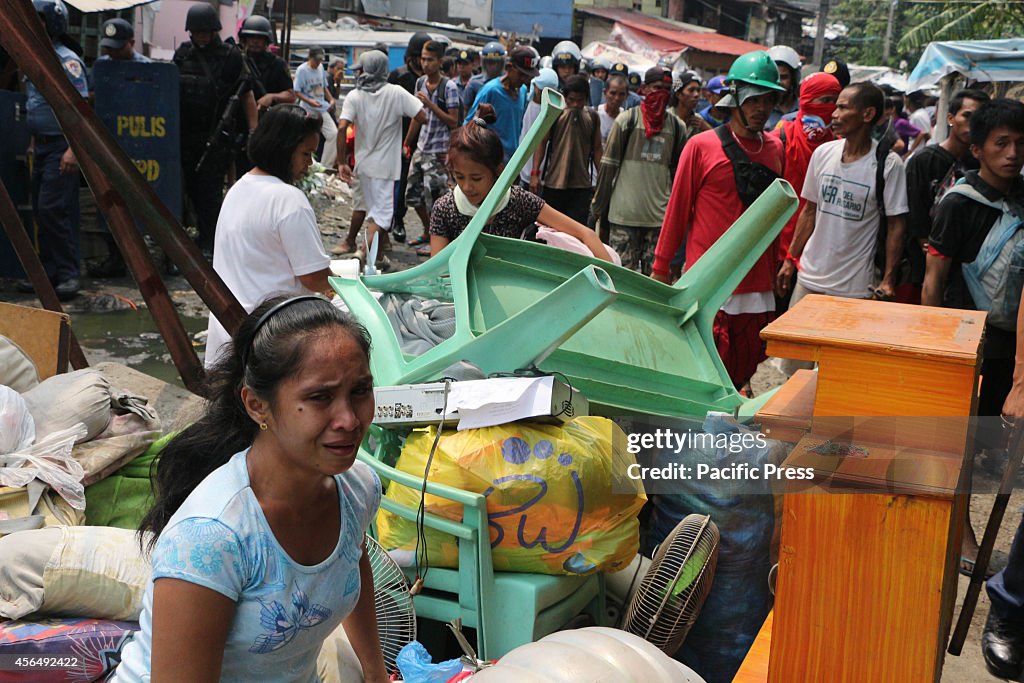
646, 169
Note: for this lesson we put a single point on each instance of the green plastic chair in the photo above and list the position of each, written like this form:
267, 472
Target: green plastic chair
630, 344
507, 609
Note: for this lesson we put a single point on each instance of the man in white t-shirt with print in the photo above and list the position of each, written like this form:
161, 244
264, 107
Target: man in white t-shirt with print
836, 235
376, 107
311, 89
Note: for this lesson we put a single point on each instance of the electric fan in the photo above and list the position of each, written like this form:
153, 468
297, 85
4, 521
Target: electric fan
396, 617
672, 592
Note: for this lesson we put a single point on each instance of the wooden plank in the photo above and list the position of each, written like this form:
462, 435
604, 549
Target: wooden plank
43, 335
787, 414
860, 588
896, 330
755, 665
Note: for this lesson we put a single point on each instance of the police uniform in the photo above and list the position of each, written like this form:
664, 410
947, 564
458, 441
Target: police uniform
209, 77
55, 196
268, 74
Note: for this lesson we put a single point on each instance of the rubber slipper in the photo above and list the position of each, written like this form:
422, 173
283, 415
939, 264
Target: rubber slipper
342, 250
966, 568
423, 251
422, 239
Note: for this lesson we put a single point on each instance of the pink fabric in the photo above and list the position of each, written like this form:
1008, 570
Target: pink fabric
560, 240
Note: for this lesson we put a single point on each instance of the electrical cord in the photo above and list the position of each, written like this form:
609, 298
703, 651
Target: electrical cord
421, 552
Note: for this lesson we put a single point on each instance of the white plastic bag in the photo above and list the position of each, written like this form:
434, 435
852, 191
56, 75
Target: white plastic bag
50, 461
17, 428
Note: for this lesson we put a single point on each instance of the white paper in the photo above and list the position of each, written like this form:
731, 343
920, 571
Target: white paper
491, 402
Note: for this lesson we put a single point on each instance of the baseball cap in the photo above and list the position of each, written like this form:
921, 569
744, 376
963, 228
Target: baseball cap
525, 59
658, 74
317, 52
466, 56
619, 68
116, 33
684, 78
717, 85
838, 69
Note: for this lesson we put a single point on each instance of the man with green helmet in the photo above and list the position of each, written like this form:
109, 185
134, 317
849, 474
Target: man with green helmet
720, 173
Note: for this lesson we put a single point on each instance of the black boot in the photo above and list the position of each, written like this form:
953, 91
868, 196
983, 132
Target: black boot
1002, 645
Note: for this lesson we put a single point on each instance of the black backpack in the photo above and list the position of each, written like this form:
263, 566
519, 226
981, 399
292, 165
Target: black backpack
752, 178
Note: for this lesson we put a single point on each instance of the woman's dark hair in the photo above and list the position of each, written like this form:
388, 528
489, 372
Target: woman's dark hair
957, 103
895, 102
262, 354
998, 113
281, 130
478, 144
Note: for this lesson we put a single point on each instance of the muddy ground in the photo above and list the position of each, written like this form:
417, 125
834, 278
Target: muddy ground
332, 203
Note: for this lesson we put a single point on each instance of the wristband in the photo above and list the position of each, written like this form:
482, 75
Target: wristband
534, 172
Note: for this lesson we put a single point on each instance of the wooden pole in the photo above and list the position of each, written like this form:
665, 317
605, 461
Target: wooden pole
819, 38
21, 34
136, 255
963, 623
33, 267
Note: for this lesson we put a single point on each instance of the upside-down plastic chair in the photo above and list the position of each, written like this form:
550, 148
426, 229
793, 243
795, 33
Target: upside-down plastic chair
507, 609
630, 344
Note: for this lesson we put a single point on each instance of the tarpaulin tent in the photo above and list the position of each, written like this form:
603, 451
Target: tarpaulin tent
956, 63
978, 60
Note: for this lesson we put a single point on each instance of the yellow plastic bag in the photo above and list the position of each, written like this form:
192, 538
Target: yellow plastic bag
550, 503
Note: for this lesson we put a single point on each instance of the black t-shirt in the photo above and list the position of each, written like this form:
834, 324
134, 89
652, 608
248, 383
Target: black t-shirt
271, 74
405, 77
926, 171
960, 228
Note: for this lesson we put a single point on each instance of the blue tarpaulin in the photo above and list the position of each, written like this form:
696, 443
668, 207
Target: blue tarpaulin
978, 60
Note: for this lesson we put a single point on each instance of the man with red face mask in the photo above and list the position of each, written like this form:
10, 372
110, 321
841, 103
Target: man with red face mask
800, 137
707, 198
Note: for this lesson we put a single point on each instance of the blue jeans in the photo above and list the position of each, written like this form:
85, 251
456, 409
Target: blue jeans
55, 206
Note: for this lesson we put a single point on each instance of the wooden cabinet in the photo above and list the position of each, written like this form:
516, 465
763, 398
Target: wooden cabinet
869, 549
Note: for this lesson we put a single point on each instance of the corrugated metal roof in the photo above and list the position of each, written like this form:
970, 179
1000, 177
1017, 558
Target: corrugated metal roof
615, 14
665, 35
89, 6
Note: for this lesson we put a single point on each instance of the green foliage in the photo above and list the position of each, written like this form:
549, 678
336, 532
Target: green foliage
866, 22
965, 21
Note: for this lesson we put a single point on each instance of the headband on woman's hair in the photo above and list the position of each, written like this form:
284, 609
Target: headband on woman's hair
480, 122
266, 316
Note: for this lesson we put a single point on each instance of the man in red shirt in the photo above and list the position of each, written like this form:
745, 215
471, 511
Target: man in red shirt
705, 203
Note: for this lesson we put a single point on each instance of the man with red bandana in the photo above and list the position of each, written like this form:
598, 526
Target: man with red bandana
811, 127
705, 203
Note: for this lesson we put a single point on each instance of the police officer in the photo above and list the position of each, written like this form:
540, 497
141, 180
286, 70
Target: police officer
55, 180
565, 59
271, 81
212, 71
494, 54
118, 44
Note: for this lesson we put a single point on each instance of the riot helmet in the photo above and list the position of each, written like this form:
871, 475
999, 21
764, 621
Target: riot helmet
54, 15
566, 53
256, 27
202, 17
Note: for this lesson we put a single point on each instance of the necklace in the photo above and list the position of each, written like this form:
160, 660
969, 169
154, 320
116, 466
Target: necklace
760, 137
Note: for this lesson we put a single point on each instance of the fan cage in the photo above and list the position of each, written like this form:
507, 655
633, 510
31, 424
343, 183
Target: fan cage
659, 612
396, 616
